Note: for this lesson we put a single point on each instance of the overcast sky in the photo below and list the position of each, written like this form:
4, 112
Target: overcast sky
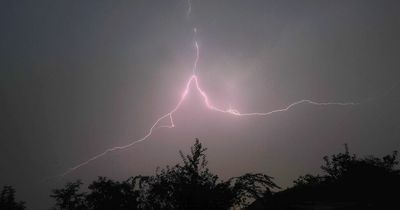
78, 77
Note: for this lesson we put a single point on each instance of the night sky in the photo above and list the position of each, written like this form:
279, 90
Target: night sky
78, 77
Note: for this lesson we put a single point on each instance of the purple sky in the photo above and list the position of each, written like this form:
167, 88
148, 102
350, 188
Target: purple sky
79, 77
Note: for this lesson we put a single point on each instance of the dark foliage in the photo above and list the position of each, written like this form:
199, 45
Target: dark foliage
193, 186
181, 187
69, 197
107, 194
7, 200
348, 182
104, 194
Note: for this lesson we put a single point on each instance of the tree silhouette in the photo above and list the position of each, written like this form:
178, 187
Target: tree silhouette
7, 200
108, 194
181, 187
348, 182
369, 179
105, 194
193, 186
69, 198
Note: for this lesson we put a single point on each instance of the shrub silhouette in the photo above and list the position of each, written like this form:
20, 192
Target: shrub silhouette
181, 187
7, 200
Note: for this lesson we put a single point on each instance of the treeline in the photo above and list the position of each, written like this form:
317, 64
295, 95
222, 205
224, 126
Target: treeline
189, 185
347, 182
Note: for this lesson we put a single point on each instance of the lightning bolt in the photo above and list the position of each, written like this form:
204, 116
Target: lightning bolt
193, 81
189, 9
196, 45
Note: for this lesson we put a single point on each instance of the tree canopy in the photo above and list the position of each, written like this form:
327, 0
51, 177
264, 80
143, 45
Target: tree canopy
347, 182
189, 185
7, 200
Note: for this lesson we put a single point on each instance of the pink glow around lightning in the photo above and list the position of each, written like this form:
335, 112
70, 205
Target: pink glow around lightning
193, 82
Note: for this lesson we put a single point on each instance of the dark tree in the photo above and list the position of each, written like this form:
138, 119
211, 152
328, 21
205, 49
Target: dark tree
193, 186
107, 194
348, 182
7, 200
369, 179
69, 198
181, 187
104, 194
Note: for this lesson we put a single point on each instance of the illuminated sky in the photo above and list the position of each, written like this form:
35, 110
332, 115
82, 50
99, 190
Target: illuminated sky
80, 77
